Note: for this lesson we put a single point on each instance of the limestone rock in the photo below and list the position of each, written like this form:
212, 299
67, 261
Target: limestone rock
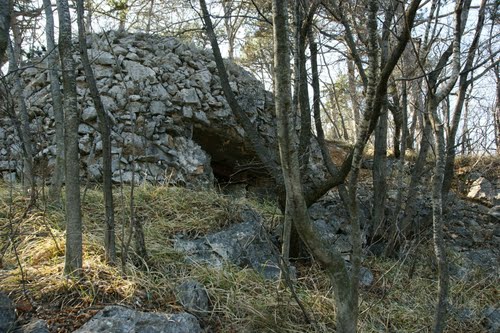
494, 212
89, 114
483, 189
35, 326
365, 277
193, 297
7, 313
117, 319
243, 244
138, 72
151, 87
492, 319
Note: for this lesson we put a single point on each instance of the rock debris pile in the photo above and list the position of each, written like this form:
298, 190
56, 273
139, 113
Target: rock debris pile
170, 119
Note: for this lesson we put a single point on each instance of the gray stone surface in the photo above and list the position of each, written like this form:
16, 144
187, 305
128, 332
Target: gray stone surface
34, 326
117, 319
193, 297
244, 244
365, 277
484, 258
492, 319
483, 189
494, 212
7, 314
158, 89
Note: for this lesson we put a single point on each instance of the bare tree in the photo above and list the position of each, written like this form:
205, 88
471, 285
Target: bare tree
464, 82
234, 18
22, 118
296, 207
5, 11
496, 110
57, 103
74, 253
104, 129
435, 97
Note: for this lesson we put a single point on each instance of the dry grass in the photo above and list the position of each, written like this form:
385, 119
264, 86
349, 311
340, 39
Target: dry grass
242, 301
486, 165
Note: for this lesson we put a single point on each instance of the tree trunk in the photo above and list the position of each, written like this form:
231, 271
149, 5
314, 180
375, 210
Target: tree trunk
496, 114
266, 155
434, 98
463, 85
73, 262
369, 115
437, 222
23, 128
380, 149
297, 208
5, 10
407, 226
353, 93
301, 86
380, 177
57, 104
139, 240
104, 129
88, 18
150, 16
228, 11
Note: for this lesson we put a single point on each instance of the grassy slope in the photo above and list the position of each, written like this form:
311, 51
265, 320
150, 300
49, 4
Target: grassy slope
242, 301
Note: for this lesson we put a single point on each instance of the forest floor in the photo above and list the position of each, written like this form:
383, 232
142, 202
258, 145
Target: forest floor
32, 244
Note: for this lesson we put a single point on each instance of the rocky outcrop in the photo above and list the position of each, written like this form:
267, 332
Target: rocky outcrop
118, 319
171, 122
245, 244
193, 297
34, 326
484, 190
7, 314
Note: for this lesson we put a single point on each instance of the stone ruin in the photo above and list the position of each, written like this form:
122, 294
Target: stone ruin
170, 120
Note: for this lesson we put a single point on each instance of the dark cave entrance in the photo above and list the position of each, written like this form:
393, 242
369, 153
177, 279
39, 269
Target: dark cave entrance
233, 161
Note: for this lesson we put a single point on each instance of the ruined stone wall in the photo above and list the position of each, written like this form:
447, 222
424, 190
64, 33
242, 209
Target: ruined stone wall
166, 106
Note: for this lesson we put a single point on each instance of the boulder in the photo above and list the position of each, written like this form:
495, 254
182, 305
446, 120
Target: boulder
34, 326
193, 297
7, 314
244, 244
483, 189
118, 319
492, 319
365, 277
494, 212
486, 259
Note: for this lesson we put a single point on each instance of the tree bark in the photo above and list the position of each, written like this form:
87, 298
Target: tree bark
379, 173
463, 85
496, 114
437, 224
380, 150
23, 121
74, 253
104, 129
302, 23
296, 204
267, 156
5, 11
435, 97
57, 104
353, 93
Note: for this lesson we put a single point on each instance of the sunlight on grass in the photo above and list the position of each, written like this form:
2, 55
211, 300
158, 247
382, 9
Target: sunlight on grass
241, 299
